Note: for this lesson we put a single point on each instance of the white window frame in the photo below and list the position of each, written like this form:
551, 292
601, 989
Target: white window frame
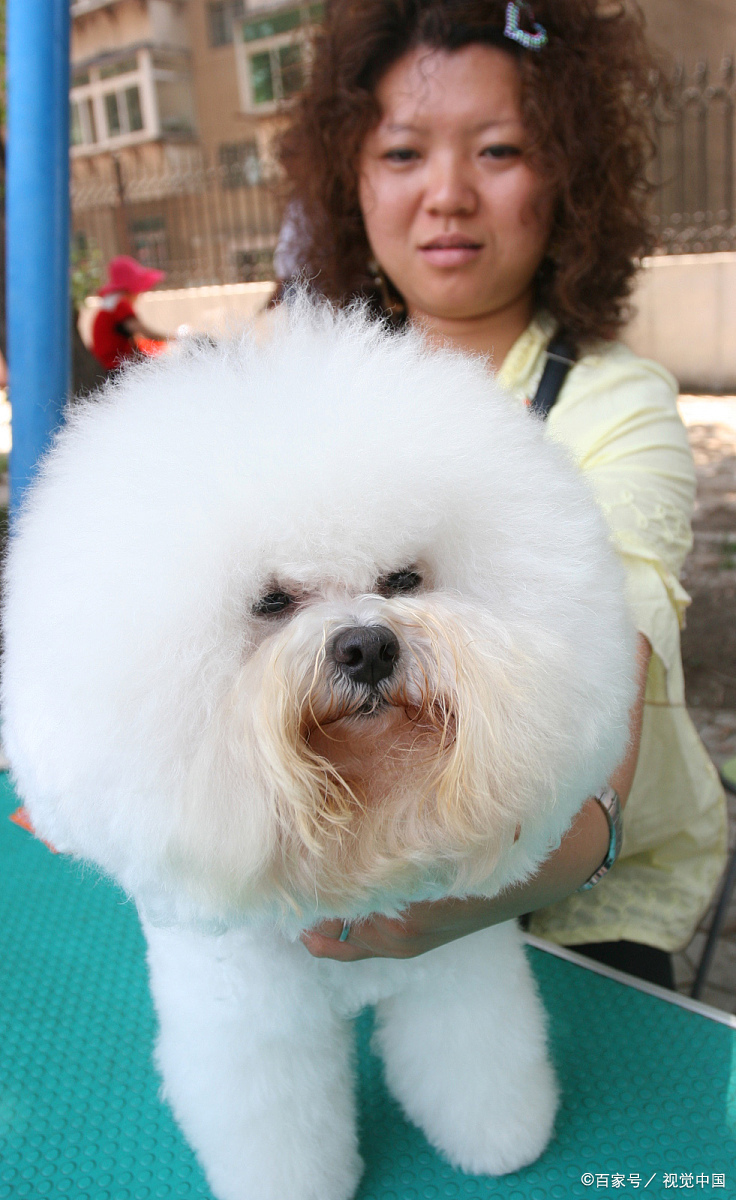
85, 125
144, 77
96, 91
123, 115
163, 75
244, 50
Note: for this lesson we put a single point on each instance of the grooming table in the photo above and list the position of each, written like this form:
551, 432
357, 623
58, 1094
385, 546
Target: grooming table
649, 1084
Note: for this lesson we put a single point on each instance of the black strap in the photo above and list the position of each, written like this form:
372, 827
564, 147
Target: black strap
560, 357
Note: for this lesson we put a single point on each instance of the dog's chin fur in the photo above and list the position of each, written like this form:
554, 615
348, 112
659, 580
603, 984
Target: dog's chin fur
370, 797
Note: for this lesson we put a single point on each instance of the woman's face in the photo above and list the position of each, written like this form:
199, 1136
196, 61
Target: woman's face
454, 212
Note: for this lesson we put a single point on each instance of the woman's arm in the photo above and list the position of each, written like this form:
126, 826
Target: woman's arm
134, 325
430, 924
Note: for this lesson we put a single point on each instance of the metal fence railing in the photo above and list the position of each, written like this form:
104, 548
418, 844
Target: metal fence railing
694, 168
218, 223
201, 223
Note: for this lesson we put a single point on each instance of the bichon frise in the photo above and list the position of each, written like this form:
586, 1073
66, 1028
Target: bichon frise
306, 628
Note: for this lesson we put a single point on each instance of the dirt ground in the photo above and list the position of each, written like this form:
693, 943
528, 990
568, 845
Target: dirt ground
709, 638
709, 646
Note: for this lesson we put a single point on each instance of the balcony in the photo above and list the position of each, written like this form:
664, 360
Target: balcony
139, 95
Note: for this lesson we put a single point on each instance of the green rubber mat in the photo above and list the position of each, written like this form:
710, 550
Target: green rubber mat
649, 1087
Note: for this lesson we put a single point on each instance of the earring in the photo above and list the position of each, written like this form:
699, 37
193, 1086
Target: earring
391, 300
553, 249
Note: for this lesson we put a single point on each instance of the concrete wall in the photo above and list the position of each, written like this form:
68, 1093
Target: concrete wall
170, 22
686, 319
111, 28
115, 26
219, 117
689, 30
213, 310
686, 316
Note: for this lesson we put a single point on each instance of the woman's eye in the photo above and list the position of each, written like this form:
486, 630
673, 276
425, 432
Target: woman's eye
501, 151
401, 154
271, 603
399, 582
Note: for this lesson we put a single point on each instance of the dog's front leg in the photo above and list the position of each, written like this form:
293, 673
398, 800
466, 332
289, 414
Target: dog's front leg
256, 1066
465, 1051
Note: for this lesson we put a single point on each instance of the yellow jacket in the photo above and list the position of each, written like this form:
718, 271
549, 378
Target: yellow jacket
617, 414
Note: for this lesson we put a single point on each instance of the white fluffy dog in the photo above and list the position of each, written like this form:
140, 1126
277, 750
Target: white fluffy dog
307, 628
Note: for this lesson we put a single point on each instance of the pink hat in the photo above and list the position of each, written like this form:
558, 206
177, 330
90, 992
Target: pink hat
124, 274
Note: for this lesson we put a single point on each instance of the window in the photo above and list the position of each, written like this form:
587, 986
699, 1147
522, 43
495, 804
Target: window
135, 96
241, 166
82, 123
122, 66
274, 55
169, 60
220, 17
123, 112
282, 22
148, 241
112, 114
291, 71
261, 78
75, 126
276, 74
175, 110
79, 77
133, 106
252, 266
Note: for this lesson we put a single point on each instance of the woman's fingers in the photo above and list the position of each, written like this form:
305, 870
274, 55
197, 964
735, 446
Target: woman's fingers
373, 937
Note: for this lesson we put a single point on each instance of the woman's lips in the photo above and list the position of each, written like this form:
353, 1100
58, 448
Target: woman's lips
450, 254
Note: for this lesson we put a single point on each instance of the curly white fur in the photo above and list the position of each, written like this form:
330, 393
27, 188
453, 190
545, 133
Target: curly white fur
220, 765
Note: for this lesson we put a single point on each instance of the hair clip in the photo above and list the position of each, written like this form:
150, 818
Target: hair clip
512, 30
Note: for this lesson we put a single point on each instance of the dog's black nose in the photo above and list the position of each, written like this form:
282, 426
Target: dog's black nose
366, 653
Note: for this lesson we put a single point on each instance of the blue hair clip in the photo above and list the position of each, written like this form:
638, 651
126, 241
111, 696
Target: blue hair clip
512, 30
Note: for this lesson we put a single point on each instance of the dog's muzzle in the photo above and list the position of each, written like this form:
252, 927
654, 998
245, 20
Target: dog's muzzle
365, 653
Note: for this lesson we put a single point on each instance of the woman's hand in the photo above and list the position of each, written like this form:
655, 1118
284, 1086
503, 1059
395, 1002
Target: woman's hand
422, 927
430, 924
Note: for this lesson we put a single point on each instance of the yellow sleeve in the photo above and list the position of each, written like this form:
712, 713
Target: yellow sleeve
618, 416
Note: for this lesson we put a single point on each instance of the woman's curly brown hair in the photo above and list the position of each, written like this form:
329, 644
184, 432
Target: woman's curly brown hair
586, 105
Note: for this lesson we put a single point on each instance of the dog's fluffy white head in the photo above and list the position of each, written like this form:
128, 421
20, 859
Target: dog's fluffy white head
313, 626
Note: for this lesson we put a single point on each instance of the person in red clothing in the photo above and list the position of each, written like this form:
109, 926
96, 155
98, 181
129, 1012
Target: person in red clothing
117, 328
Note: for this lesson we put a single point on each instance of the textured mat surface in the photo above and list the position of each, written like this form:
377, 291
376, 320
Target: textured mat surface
649, 1088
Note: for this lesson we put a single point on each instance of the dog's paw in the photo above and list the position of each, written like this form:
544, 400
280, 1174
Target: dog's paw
499, 1135
327, 1173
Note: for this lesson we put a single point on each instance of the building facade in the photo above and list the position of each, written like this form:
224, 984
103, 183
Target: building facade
174, 108
131, 84
175, 105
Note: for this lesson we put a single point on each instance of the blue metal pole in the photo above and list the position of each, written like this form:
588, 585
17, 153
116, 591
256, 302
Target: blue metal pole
37, 228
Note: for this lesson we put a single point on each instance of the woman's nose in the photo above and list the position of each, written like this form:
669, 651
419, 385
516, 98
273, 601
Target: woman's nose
450, 190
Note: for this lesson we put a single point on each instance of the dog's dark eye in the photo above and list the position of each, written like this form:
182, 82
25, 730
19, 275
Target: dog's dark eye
400, 581
273, 602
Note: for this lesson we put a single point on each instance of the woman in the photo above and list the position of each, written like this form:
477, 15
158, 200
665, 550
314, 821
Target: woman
478, 169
